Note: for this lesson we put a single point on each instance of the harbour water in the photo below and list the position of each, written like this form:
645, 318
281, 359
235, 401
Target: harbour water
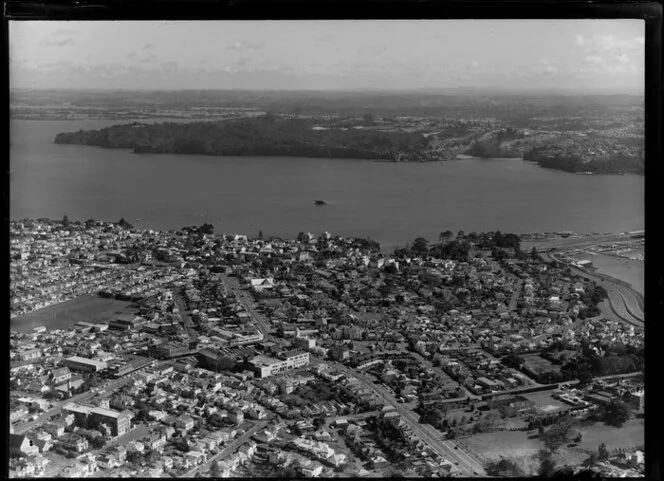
390, 202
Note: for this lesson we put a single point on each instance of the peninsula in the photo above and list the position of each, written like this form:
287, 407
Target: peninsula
596, 134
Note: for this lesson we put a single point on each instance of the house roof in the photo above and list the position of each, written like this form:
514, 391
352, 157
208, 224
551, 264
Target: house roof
16, 440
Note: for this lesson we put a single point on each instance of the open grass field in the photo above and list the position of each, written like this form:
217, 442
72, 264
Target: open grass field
539, 364
517, 446
513, 445
58, 316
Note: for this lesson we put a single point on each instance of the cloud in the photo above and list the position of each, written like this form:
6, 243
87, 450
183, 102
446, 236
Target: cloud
147, 46
151, 58
65, 31
372, 49
593, 60
58, 43
604, 64
326, 38
605, 43
239, 46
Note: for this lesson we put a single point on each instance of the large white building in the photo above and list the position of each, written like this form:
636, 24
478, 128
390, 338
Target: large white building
76, 363
266, 366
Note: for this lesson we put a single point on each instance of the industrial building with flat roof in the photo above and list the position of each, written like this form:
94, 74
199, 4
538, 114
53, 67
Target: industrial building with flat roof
76, 363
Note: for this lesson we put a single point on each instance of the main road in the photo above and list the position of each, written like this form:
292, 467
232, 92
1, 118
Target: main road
430, 436
247, 301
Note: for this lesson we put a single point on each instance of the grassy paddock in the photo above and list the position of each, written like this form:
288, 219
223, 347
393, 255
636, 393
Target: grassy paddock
539, 364
86, 308
513, 445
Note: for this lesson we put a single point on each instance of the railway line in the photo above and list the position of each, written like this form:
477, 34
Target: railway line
623, 301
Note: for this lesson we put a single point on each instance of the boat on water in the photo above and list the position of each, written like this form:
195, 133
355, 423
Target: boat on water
585, 173
320, 202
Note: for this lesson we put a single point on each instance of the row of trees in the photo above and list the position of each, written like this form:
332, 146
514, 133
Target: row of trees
91, 222
458, 248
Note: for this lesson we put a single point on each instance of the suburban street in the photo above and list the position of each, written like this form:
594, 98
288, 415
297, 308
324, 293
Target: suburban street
236, 443
625, 303
247, 302
109, 386
427, 434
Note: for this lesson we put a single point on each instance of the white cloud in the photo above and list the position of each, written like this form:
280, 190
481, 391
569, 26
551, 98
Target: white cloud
58, 43
239, 46
593, 60
605, 43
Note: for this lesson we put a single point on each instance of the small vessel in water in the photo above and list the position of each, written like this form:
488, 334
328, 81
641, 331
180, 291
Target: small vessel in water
320, 202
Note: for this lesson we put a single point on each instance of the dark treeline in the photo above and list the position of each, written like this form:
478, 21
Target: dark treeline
266, 136
459, 248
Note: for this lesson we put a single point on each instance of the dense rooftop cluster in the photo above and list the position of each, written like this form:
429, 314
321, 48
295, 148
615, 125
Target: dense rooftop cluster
244, 356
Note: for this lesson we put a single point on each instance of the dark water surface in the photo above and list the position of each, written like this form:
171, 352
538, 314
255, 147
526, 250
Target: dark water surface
391, 202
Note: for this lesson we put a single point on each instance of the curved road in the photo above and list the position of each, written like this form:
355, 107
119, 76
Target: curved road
623, 301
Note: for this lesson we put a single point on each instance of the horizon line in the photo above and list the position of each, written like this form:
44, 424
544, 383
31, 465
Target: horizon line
510, 90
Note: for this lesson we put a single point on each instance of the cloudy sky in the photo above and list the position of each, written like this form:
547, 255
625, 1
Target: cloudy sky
583, 55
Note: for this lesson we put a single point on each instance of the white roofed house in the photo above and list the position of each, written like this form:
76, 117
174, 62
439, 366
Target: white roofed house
260, 285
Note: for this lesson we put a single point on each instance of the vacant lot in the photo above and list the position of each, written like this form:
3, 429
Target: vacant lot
60, 316
514, 445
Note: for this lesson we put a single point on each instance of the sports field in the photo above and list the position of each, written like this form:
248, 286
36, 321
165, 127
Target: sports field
59, 316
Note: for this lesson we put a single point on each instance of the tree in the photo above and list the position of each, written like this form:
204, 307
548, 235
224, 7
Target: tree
461, 234
616, 413
591, 460
533, 253
206, 229
214, 469
65, 221
547, 465
445, 236
420, 245
260, 234
504, 468
513, 360
181, 445
90, 223
98, 442
124, 224
134, 457
602, 452
584, 377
